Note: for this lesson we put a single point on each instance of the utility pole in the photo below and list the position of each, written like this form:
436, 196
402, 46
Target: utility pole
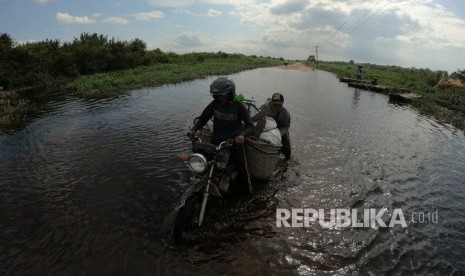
316, 47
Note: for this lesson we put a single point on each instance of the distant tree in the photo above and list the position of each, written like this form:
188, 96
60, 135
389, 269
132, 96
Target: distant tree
6, 43
158, 56
118, 58
51, 61
92, 53
459, 74
137, 49
137, 46
351, 62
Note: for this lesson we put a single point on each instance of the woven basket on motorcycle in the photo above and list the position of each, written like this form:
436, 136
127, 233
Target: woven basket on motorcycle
205, 135
261, 158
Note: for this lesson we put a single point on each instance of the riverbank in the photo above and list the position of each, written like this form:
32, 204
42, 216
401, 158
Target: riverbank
114, 83
445, 104
16, 114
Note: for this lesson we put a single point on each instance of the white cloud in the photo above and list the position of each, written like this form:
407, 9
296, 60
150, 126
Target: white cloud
116, 20
382, 31
230, 2
66, 18
437, 27
170, 3
213, 13
210, 12
149, 15
351, 28
190, 13
257, 15
42, 1
24, 42
292, 6
189, 39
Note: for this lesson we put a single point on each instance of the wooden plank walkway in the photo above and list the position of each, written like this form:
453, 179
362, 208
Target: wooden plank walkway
395, 94
403, 97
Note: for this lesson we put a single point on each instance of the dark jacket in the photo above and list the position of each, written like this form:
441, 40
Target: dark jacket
282, 117
229, 120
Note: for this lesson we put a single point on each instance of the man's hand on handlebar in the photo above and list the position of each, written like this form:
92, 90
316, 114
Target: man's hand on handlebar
191, 134
239, 140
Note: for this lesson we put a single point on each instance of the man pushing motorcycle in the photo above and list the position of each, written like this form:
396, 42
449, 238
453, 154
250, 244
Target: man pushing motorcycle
274, 108
230, 120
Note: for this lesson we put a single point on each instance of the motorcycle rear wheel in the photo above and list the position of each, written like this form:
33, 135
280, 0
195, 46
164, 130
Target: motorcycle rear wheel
187, 220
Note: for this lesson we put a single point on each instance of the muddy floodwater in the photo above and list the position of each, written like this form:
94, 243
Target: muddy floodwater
86, 187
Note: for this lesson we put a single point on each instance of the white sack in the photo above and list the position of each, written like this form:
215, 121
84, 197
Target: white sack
270, 123
273, 136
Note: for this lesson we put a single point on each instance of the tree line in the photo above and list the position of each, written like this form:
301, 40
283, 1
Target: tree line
425, 75
52, 61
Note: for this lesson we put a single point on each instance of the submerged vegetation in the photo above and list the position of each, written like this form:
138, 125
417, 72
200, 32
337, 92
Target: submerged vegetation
187, 67
445, 104
16, 114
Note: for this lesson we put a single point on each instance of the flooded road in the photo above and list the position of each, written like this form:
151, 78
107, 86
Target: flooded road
86, 187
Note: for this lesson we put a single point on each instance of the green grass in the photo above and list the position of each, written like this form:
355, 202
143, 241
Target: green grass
115, 83
445, 105
111, 84
16, 116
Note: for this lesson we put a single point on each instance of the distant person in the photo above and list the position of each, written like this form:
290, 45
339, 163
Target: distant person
359, 73
274, 108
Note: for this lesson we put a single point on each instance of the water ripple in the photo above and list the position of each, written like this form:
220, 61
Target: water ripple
85, 187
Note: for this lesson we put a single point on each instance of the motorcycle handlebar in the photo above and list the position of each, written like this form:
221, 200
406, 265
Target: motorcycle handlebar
227, 143
194, 136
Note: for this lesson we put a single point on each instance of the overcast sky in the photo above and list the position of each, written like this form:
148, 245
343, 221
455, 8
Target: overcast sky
415, 33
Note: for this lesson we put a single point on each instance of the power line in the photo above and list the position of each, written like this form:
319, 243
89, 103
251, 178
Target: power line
370, 16
345, 22
352, 27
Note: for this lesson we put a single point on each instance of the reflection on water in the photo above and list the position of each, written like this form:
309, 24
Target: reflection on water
85, 188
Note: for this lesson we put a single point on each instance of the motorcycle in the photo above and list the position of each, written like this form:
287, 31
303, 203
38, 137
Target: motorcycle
213, 176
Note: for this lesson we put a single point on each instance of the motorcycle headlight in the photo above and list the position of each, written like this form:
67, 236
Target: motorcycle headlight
198, 163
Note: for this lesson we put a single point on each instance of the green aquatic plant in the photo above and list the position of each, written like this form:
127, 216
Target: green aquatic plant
16, 115
117, 82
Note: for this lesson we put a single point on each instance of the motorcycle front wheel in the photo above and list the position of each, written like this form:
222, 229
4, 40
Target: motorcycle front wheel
187, 220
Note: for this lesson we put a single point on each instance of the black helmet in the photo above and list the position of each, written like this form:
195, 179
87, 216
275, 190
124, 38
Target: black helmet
222, 86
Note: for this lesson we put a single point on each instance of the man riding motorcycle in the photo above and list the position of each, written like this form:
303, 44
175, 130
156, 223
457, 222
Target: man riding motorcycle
230, 120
